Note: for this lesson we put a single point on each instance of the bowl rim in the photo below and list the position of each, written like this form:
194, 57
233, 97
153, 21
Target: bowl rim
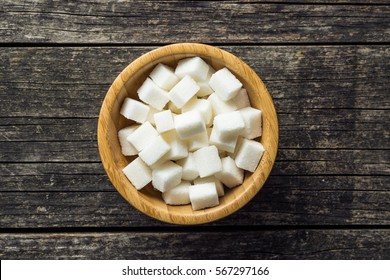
136, 200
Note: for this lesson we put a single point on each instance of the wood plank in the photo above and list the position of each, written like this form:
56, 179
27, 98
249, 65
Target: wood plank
329, 2
54, 177
289, 161
315, 128
154, 22
71, 82
48, 129
264, 244
291, 200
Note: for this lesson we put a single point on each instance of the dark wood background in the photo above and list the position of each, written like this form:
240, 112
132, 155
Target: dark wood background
325, 63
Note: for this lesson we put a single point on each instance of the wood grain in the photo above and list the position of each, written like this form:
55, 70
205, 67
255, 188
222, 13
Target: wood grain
266, 244
333, 109
289, 161
155, 22
272, 206
55, 82
325, 64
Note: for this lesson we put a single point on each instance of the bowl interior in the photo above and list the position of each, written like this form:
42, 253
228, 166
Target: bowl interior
111, 121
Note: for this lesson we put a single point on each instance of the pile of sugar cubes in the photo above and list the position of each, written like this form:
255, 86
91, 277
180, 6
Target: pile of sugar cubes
194, 133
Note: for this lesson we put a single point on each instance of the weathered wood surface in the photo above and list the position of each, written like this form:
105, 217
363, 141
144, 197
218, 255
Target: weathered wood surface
71, 82
264, 244
332, 166
274, 205
162, 22
289, 161
325, 63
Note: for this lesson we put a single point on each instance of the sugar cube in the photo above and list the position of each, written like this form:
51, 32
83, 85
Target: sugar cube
203, 106
166, 176
178, 146
126, 147
229, 125
225, 84
203, 196
183, 91
210, 73
189, 124
138, 173
219, 106
207, 161
252, 119
231, 176
211, 179
164, 76
142, 136
248, 154
198, 141
151, 94
164, 121
134, 110
178, 195
150, 117
241, 99
190, 172
196, 67
154, 151
204, 89
227, 145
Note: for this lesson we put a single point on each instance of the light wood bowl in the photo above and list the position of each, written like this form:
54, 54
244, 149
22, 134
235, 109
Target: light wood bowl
148, 200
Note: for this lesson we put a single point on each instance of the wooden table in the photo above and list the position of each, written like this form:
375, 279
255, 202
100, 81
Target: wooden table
327, 67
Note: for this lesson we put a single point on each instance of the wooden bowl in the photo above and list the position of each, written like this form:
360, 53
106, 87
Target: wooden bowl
148, 200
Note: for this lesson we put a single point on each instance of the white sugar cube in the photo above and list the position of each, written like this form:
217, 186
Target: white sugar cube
248, 154
164, 76
134, 110
182, 92
142, 136
241, 99
196, 67
154, 151
252, 119
126, 147
150, 117
190, 172
229, 125
153, 95
164, 121
204, 89
138, 173
227, 145
225, 84
166, 176
207, 161
162, 160
210, 73
219, 106
211, 179
203, 106
189, 124
198, 141
178, 146
231, 176
178, 195
234, 153
203, 196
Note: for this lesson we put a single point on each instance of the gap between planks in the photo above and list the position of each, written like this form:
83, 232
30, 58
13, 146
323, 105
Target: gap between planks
184, 229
